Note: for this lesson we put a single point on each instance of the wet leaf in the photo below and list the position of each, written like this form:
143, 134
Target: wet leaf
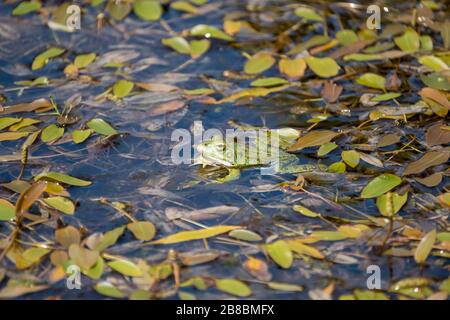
284, 287
303, 249
148, 10
28, 197
385, 97
409, 41
100, 126
436, 96
42, 59
26, 7
380, 185
434, 63
83, 60
209, 32
371, 80
108, 289
390, 203
12, 136
109, 238
62, 204
68, 236
125, 267
142, 230
268, 82
280, 253
388, 139
429, 159
323, 67
179, 44
63, 178
424, 248
308, 14
259, 63
195, 235
293, 68
313, 138
7, 210
30, 257
245, 235
350, 157
437, 134
7, 121
122, 88
234, 287
328, 235
326, 148
52, 133
79, 136
305, 211
82, 257
432, 180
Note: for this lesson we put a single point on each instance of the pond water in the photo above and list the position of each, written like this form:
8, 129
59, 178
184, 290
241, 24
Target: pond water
135, 168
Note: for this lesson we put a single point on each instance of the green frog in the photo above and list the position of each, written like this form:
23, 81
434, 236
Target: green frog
237, 154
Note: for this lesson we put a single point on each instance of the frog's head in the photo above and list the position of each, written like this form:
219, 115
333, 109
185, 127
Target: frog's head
213, 152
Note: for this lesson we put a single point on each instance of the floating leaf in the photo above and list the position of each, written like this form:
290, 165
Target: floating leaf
29, 196
7, 121
148, 10
434, 63
380, 185
280, 252
326, 148
179, 44
12, 136
328, 235
424, 247
100, 126
437, 134
245, 235
429, 159
436, 81
385, 97
436, 96
30, 257
109, 238
258, 268
82, 257
234, 287
432, 180
390, 203
303, 249
64, 178
323, 67
350, 157
108, 289
122, 88
314, 138
62, 204
52, 133
259, 63
118, 10
199, 47
41, 60
409, 41
268, 82
83, 60
68, 236
26, 7
142, 230
209, 32
337, 167
284, 287
80, 136
293, 68
125, 267
388, 140
305, 211
195, 235
371, 80
7, 210
183, 6
308, 14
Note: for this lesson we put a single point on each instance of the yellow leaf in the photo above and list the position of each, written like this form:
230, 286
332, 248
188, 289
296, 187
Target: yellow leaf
424, 247
195, 235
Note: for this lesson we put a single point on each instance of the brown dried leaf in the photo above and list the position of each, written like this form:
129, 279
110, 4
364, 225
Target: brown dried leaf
432, 180
388, 139
42, 104
313, 138
430, 159
27, 198
166, 107
437, 135
331, 91
436, 96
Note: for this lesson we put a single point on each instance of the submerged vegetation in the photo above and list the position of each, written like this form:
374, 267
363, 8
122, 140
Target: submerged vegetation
87, 183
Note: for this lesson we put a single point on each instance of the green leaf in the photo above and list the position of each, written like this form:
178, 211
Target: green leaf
209, 32
26, 7
234, 287
337, 167
62, 204
118, 10
148, 10
80, 136
426, 43
7, 210
142, 230
371, 80
326, 148
308, 14
42, 59
52, 133
245, 235
183, 6
109, 238
323, 67
259, 63
390, 203
424, 247
39, 81
435, 81
83, 60
328, 235
195, 235
280, 252
6, 122
305, 211
63, 178
179, 44
346, 37
108, 289
199, 47
434, 63
385, 97
380, 185
97, 270
350, 157
100, 126
122, 88
268, 82
409, 41
288, 287
125, 267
